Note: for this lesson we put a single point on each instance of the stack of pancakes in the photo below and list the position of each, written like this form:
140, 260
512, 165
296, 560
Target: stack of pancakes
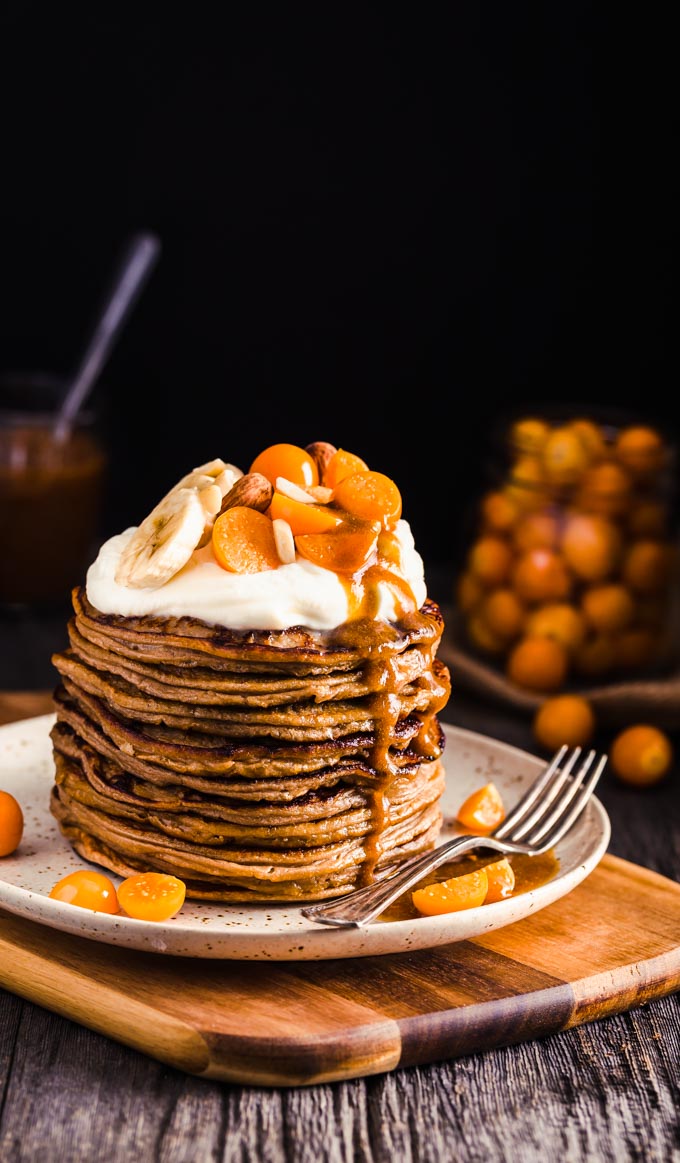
267, 766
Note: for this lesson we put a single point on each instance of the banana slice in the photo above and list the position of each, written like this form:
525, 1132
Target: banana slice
211, 499
213, 472
227, 478
164, 541
213, 481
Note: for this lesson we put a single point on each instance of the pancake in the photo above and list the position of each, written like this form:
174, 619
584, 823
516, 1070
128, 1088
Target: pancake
256, 764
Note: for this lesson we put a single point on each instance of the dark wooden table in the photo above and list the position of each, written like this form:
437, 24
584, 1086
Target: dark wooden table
608, 1090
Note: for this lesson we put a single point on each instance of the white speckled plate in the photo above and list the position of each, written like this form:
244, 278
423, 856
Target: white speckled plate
273, 932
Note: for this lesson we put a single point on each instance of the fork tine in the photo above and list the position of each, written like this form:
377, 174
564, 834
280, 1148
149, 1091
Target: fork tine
550, 819
535, 793
567, 818
559, 792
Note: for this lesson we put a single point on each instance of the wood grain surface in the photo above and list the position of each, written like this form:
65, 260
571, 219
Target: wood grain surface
610, 945
601, 1091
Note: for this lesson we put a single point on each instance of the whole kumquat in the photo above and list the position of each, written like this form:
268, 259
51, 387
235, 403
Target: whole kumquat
641, 449
564, 718
489, 561
564, 456
529, 434
590, 435
641, 755
152, 896
558, 620
498, 512
540, 575
88, 889
503, 613
647, 565
11, 823
591, 545
537, 530
538, 664
527, 486
608, 608
605, 488
289, 461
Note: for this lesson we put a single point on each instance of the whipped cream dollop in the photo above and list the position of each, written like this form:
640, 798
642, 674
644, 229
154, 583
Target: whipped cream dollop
297, 594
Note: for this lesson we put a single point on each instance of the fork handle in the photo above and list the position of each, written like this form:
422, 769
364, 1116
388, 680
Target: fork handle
365, 904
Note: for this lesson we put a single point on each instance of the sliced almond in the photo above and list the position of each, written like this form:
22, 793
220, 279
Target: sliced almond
321, 494
290, 489
252, 490
285, 542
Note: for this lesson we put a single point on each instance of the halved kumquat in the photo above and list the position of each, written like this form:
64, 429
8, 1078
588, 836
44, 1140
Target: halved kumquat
372, 496
451, 896
483, 810
342, 464
303, 517
152, 896
501, 878
243, 541
346, 549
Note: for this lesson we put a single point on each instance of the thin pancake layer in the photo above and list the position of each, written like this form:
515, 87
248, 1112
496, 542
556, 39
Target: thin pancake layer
267, 766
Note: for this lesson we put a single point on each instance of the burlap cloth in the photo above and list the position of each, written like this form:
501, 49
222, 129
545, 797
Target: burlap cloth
652, 699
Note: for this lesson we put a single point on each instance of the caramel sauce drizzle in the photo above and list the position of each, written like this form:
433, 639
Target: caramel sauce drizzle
381, 642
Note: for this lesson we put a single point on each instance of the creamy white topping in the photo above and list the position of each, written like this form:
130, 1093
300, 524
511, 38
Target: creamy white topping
298, 594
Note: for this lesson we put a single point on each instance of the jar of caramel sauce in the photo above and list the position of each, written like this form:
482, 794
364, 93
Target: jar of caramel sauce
51, 495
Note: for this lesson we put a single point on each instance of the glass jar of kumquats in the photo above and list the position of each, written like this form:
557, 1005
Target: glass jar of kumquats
570, 575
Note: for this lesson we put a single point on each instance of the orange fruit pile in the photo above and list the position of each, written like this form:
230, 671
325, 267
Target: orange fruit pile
570, 569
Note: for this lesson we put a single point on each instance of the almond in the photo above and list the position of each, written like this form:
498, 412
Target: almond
285, 542
253, 491
290, 489
321, 451
321, 494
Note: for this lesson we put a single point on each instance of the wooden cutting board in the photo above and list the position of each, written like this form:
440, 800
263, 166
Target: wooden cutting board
611, 945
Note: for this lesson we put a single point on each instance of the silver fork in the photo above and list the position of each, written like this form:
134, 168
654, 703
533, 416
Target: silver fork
544, 814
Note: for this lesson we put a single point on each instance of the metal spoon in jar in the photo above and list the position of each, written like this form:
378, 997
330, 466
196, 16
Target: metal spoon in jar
139, 258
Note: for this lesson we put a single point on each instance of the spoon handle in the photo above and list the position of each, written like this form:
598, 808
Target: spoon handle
139, 257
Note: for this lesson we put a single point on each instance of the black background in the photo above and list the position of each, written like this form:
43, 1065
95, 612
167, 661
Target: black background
383, 229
